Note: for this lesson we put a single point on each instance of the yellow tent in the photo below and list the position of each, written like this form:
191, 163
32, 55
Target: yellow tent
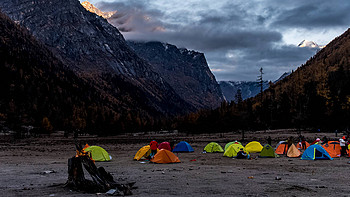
213, 147
254, 147
98, 153
143, 152
293, 151
233, 149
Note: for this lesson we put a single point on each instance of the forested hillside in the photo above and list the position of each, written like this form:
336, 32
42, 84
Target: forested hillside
316, 95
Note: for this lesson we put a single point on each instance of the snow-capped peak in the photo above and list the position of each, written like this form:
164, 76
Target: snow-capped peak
309, 44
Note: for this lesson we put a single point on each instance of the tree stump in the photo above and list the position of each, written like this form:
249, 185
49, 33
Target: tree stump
102, 181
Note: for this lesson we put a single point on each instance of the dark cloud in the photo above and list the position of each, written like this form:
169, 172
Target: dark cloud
238, 37
133, 16
207, 40
276, 60
315, 14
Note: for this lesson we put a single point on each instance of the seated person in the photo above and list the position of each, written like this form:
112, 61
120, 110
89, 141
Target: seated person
242, 155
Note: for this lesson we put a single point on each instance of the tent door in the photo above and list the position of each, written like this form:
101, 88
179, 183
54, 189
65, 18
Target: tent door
318, 154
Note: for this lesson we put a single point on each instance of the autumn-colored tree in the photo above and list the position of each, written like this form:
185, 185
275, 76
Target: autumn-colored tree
46, 125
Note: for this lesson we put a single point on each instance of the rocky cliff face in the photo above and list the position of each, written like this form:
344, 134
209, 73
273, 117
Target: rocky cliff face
91, 8
186, 71
96, 51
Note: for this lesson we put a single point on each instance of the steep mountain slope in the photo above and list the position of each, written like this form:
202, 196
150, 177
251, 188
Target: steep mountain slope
34, 84
186, 71
318, 92
96, 51
248, 89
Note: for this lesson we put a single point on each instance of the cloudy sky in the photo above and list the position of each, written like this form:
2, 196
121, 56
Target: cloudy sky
238, 37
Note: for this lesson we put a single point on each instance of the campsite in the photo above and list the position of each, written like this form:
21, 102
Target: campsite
34, 166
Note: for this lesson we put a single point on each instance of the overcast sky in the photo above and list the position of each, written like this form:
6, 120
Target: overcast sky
237, 36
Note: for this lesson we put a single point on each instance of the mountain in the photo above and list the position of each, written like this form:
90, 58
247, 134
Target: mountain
98, 53
91, 8
315, 96
284, 75
35, 86
185, 70
309, 44
248, 89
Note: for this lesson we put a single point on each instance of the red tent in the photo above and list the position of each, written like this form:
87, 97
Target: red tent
164, 145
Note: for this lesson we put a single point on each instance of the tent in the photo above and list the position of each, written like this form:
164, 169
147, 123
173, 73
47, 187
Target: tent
280, 142
164, 145
165, 156
315, 152
300, 146
143, 152
268, 151
183, 147
293, 151
233, 149
282, 148
213, 147
254, 147
229, 144
98, 153
333, 148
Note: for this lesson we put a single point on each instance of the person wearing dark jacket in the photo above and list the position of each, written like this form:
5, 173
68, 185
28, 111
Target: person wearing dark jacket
242, 155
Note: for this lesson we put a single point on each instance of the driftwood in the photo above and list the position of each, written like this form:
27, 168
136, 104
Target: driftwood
102, 181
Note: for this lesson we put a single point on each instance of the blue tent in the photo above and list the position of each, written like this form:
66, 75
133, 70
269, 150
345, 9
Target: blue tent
315, 152
183, 147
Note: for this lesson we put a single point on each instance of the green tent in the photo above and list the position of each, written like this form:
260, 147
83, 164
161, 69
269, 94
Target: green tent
233, 149
213, 147
98, 153
230, 143
268, 151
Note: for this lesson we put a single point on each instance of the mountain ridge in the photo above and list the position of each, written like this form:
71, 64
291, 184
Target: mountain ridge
96, 51
185, 70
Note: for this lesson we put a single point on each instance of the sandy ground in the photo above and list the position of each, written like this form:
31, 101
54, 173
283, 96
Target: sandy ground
23, 164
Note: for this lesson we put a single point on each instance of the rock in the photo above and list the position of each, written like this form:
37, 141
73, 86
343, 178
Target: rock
278, 178
185, 70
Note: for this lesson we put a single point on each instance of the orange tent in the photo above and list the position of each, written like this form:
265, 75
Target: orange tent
300, 146
293, 151
165, 156
282, 148
333, 148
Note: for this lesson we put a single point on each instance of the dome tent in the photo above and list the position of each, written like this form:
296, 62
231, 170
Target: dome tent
98, 153
183, 147
315, 152
230, 143
165, 156
144, 152
254, 147
164, 145
233, 149
268, 152
213, 147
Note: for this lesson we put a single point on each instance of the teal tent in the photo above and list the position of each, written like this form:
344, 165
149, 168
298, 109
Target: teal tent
315, 152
